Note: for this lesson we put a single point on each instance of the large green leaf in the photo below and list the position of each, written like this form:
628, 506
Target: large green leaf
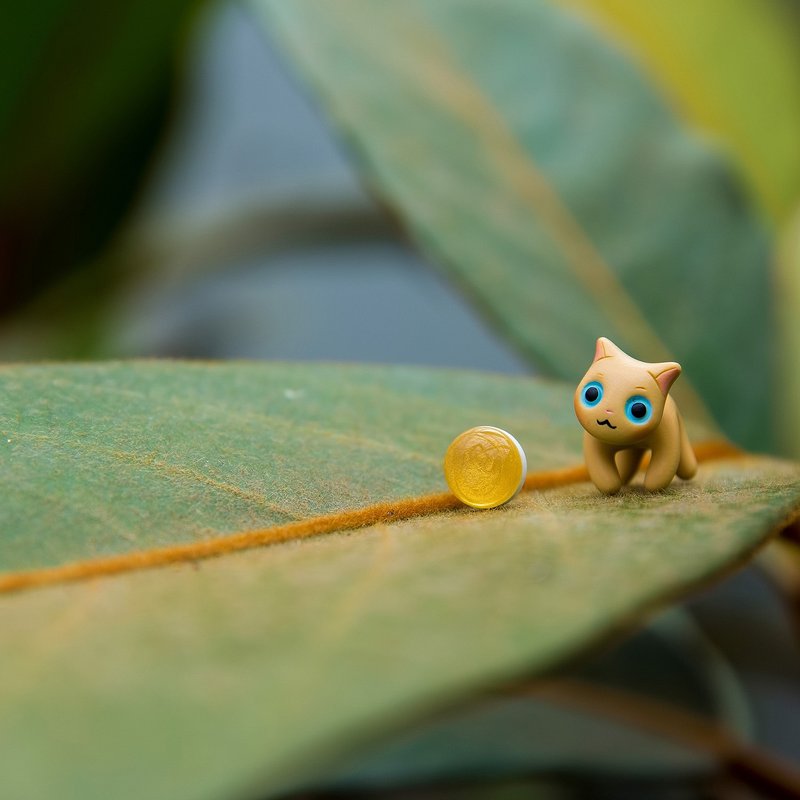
728, 65
203, 677
501, 738
531, 159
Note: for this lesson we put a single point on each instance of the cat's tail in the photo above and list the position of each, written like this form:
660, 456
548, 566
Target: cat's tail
687, 466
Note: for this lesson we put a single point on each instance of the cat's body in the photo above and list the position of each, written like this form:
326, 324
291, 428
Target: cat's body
625, 408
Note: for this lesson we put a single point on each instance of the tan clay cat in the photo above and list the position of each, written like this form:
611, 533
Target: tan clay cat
625, 408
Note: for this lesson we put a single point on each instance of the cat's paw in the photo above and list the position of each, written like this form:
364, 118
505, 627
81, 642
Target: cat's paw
607, 485
656, 484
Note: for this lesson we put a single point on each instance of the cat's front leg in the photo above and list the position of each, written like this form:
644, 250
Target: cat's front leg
666, 456
628, 461
601, 465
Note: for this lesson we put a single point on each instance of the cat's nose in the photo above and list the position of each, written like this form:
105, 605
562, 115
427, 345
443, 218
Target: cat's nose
609, 411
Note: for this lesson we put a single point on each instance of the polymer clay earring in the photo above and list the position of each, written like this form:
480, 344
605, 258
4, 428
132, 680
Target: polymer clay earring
625, 409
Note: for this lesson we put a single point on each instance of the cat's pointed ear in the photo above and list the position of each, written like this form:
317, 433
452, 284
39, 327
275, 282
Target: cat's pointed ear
665, 374
605, 347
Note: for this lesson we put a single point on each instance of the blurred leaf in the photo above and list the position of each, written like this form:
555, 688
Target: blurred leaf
733, 68
195, 680
533, 162
83, 97
788, 294
496, 738
781, 563
504, 738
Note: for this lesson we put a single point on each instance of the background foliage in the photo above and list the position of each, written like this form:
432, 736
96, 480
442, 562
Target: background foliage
312, 179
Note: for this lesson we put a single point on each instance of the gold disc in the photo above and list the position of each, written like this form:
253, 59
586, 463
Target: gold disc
485, 467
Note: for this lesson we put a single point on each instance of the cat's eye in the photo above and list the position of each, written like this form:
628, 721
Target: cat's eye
592, 394
638, 409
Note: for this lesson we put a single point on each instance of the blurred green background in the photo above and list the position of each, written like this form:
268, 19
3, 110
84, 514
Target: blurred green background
186, 198
171, 187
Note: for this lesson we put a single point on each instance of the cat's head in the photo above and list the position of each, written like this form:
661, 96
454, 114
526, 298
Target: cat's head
621, 400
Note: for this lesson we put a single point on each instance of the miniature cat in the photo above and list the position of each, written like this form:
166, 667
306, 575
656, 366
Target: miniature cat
625, 408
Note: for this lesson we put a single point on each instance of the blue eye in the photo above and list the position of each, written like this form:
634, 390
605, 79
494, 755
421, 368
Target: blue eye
638, 409
592, 394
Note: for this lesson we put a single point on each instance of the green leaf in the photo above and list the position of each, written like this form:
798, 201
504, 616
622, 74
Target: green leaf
500, 737
788, 283
203, 678
695, 52
531, 160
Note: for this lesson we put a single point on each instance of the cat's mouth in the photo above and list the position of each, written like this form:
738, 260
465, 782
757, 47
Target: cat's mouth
606, 422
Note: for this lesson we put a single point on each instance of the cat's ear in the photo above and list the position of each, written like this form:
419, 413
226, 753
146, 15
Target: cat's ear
605, 348
665, 374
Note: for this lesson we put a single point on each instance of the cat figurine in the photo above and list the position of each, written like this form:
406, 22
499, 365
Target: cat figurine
625, 408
